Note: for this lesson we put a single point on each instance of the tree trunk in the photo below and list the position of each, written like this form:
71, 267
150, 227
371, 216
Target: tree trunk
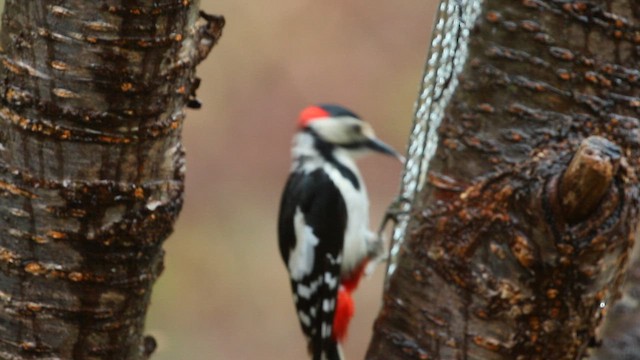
91, 167
520, 195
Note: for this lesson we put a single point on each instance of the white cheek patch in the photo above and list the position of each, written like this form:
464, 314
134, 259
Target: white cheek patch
302, 258
338, 130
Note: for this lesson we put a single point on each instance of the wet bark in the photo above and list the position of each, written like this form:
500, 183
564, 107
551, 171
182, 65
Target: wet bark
91, 167
521, 186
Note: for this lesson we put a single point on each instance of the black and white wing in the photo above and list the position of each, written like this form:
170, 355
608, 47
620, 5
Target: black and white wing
311, 227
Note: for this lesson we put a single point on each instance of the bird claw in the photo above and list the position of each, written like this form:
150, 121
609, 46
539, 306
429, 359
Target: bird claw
378, 252
393, 212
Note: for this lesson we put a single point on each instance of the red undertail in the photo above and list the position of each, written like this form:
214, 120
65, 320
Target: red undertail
345, 307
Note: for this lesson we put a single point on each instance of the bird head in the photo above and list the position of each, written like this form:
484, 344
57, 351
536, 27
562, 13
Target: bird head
342, 128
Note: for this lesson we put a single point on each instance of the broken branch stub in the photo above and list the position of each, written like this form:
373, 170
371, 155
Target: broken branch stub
494, 275
588, 177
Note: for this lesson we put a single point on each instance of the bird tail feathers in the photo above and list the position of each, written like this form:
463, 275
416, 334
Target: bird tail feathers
329, 351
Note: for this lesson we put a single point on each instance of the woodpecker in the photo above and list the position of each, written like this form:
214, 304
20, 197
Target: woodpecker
323, 225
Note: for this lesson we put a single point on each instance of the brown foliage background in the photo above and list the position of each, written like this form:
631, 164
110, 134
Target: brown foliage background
224, 293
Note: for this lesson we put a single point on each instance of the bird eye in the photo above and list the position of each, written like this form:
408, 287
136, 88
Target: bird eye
357, 129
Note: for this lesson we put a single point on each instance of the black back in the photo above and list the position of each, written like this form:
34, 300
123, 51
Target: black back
325, 212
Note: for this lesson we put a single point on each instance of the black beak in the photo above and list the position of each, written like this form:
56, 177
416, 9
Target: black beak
377, 145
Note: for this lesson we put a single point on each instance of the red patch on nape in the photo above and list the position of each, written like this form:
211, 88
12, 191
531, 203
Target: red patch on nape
344, 312
309, 114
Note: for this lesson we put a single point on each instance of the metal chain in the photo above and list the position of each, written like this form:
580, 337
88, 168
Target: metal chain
446, 58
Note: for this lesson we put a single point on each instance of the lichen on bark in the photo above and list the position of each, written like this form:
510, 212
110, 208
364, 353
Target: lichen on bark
91, 167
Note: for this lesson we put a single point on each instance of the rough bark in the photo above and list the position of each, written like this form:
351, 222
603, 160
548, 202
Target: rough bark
521, 185
91, 167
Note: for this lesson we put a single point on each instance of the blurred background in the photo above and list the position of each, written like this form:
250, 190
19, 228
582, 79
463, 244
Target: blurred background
225, 292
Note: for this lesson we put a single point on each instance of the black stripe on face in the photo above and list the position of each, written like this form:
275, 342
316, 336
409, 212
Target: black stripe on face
326, 151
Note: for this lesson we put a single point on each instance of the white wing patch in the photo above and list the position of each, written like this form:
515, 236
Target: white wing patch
304, 318
305, 292
331, 281
328, 305
326, 330
301, 259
